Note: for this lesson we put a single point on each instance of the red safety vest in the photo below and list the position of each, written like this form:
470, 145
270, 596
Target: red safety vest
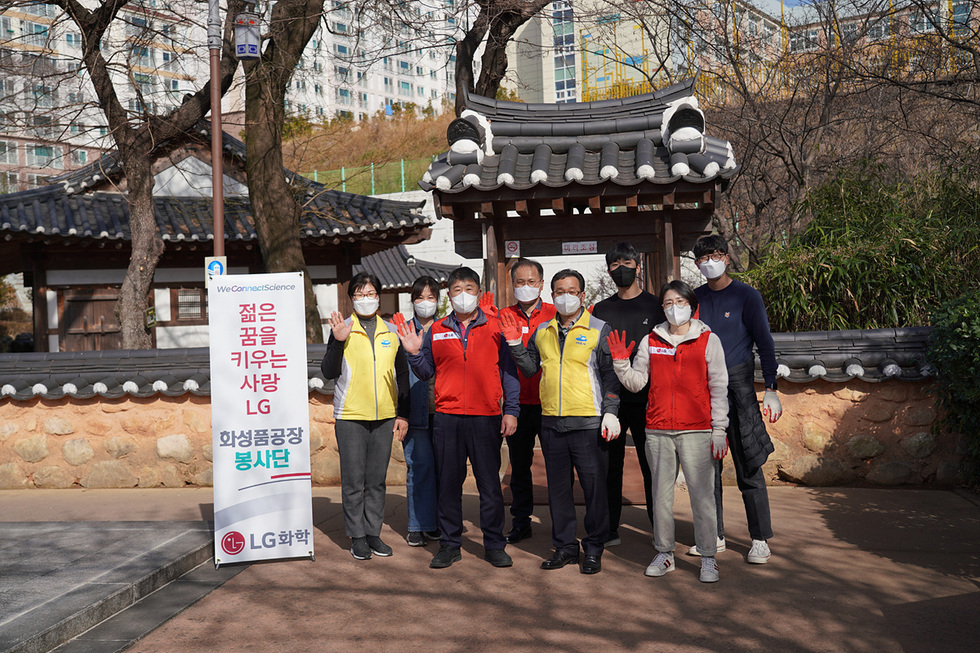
467, 379
679, 399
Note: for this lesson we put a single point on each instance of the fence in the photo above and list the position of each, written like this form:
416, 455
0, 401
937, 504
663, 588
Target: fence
375, 179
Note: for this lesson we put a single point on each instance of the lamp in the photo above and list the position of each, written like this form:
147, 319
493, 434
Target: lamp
247, 38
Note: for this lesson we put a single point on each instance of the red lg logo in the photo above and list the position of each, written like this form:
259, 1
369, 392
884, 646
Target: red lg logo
233, 543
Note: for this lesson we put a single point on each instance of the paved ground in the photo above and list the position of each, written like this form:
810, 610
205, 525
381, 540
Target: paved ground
853, 570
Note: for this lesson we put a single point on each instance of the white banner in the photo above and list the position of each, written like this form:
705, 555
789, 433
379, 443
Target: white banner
260, 418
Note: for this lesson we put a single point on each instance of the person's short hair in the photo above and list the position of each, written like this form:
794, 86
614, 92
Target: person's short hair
564, 274
463, 273
360, 280
622, 252
682, 289
523, 263
423, 282
710, 245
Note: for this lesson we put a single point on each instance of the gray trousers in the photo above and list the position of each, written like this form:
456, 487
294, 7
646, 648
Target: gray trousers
365, 449
692, 449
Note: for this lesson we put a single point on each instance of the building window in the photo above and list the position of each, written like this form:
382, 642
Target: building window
190, 304
8, 182
8, 152
43, 156
79, 157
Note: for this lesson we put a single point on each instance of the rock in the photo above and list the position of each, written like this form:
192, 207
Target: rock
326, 469
7, 429
892, 391
919, 445
204, 478
207, 452
53, 477
136, 424
164, 424
197, 421
12, 477
398, 451
171, 477
816, 438
109, 474
949, 474
781, 451
119, 406
77, 451
891, 473
920, 416
120, 446
850, 394
316, 437
878, 412
32, 449
176, 447
728, 473
396, 474
58, 426
816, 471
98, 426
864, 447
149, 477
810, 391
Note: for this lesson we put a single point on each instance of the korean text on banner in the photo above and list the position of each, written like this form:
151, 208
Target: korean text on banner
260, 418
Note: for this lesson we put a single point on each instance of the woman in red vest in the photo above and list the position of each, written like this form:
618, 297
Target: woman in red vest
687, 414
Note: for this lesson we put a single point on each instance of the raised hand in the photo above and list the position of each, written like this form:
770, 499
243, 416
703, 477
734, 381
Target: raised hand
398, 319
411, 339
338, 326
618, 347
509, 326
486, 303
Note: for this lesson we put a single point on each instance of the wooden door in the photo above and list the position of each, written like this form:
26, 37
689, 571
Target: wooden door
88, 320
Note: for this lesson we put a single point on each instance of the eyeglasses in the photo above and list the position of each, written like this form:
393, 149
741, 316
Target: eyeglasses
559, 293
680, 303
365, 295
715, 256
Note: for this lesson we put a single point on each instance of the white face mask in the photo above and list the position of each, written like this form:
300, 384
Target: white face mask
567, 304
712, 269
527, 293
367, 306
425, 308
464, 303
678, 315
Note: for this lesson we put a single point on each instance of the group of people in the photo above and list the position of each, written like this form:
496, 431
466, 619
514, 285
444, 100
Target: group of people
676, 371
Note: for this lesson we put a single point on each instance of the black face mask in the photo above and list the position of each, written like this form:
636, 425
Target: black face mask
623, 276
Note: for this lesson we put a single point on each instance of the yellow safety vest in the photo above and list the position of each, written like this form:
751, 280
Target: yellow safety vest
570, 383
366, 388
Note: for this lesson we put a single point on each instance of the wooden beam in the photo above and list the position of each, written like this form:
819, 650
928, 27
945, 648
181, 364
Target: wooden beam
486, 209
632, 203
558, 206
491, 268
595, 203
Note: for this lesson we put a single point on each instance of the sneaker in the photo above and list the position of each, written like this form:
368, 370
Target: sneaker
434, 536
614, 539
359, 548
709, 570
447, 556
498, 558
378, 547
663, 563
416, 538
759, 554
693, 551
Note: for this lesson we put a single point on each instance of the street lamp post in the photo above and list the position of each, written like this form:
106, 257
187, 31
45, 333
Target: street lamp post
217, 174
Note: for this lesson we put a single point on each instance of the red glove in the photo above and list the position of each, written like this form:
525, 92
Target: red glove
510, 328
617, 346
486, 303
398, 319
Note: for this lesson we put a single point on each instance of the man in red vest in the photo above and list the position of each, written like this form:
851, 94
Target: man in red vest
474, 375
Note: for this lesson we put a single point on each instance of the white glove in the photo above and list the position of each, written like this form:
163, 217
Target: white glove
719, 445
610, 427
771, 408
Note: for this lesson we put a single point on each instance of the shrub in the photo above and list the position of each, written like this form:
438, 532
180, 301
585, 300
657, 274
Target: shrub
954, 349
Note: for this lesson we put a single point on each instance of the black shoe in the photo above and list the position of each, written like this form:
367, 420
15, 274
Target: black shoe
359, 548
435, 535
378, 547
416, 538
591, 565
498, 558
559, 559
447, 556
517, 534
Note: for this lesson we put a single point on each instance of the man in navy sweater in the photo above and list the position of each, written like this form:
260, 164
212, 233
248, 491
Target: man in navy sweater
736, 314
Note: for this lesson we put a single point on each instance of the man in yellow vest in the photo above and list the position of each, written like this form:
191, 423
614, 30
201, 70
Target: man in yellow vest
579, 398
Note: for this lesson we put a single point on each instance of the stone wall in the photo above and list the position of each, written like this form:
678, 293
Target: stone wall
830, 434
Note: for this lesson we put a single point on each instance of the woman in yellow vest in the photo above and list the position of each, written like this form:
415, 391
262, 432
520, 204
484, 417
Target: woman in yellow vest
370, 402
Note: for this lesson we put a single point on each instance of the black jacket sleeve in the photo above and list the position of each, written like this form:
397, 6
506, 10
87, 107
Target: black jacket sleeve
333, 360
527, 358
610, 382
401, 381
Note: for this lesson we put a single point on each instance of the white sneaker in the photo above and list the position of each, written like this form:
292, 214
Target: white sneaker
759, 554
709, 570
693, 551
663, 563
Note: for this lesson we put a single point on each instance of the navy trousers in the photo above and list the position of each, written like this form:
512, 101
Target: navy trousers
586, 453
476, 437
521, 449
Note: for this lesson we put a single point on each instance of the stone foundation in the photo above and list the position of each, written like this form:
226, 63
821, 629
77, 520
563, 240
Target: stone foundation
830, 434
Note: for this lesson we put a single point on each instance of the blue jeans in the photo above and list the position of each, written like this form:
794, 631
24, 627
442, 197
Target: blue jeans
420, 479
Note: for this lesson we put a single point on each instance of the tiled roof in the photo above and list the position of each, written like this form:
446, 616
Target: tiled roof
398, 270
51, 211
835, 356
656, 137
